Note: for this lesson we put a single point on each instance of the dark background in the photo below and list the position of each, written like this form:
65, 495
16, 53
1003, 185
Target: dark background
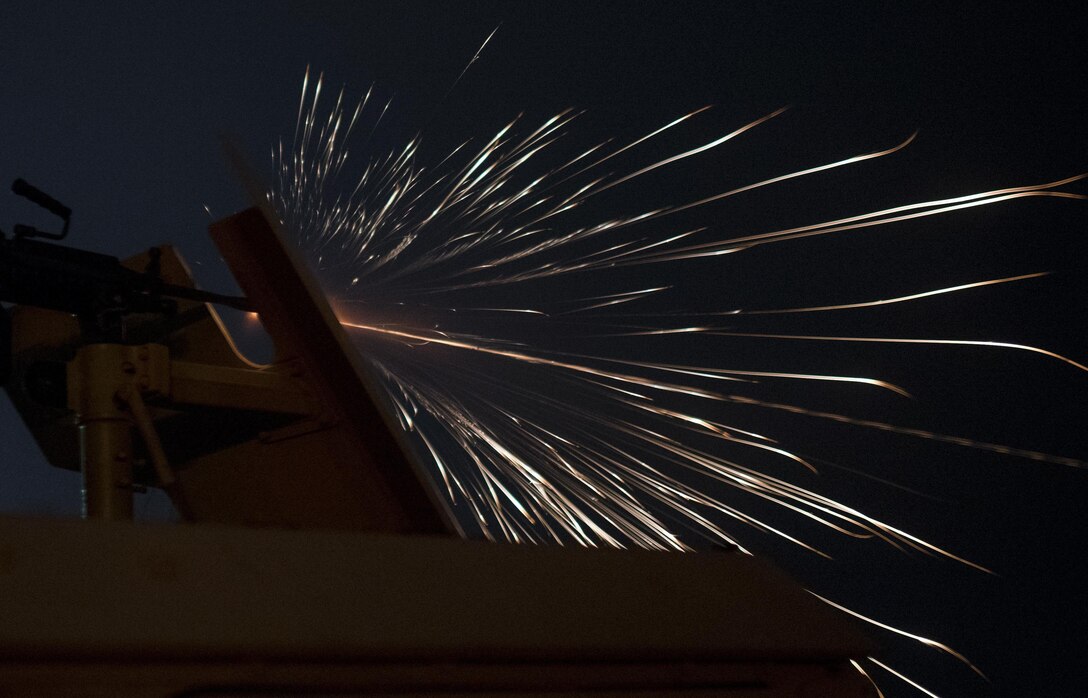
117, 110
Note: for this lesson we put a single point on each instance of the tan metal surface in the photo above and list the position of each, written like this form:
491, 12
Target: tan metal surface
390, 485
255, 679
41, 335
243, 604
238, 388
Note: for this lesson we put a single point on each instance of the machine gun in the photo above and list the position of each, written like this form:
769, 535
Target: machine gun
124, 371
96, 349
96, 288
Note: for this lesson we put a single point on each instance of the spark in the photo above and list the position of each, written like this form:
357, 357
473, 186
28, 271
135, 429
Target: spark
464, 286
890, 301
861, 670
903, 677
884, 340
918, 638
860, 304
468, 65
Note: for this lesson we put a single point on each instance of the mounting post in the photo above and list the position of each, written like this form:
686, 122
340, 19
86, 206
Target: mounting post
98, 377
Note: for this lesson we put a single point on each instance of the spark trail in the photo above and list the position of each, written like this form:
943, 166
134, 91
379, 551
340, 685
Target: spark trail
536, 433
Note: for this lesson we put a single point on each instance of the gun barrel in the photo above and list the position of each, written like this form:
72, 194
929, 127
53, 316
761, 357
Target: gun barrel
31, 193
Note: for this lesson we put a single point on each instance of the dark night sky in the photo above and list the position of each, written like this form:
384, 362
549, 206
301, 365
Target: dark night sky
117, 112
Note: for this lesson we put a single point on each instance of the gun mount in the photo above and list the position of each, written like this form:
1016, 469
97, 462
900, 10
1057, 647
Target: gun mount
102, 350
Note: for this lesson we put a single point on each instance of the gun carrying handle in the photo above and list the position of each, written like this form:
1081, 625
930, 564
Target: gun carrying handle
31, 193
